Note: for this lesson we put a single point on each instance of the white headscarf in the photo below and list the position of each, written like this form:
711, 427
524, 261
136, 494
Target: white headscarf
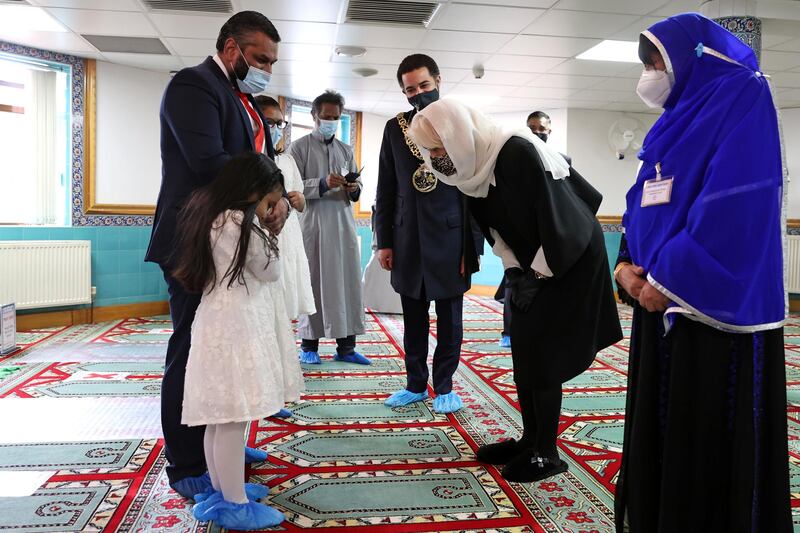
473, 142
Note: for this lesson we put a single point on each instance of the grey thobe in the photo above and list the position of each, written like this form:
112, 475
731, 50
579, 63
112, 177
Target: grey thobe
329, 235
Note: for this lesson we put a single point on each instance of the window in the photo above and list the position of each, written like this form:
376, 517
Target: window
303, 123
35, 139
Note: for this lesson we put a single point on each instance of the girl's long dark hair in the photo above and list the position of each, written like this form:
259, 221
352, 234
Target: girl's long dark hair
248, 175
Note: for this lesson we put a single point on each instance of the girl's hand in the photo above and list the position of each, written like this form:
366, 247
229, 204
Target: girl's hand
297, 200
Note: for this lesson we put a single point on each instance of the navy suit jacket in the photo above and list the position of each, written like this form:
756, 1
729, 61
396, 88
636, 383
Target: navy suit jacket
203, 125
428, 232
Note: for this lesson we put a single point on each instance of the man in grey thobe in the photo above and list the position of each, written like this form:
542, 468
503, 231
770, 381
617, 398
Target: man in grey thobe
329, 235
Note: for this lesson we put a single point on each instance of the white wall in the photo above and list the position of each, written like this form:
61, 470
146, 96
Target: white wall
587, 144
791, 139
371, 136
558, 119
128, 155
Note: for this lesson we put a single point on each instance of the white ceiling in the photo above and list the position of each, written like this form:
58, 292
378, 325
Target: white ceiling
527, 47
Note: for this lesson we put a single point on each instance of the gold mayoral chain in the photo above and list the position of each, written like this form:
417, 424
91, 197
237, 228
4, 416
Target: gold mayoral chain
422, 179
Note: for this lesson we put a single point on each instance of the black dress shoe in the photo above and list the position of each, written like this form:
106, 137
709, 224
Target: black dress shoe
499, 453
528, 466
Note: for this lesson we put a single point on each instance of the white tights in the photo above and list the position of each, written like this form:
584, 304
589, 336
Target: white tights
224, 449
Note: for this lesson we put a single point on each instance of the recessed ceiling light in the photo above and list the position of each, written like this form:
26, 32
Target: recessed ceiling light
350, 51
25, 18
624, 51
365, 72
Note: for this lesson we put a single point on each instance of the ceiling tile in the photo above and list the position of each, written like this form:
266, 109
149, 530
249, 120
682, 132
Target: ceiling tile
579, 24
379, 56
633, 7
565, 81
592, 68
304, 52
306, 32
48, 40
462, 41
191, 47
523, 63
105, 22
533, 91
792, 45
300, 10
513, 3
786, 79
470, 17
617, 84
191, 26
480, 89
500, 77
547, 45
631, 33
145, 61
610, 96
771, 60
460, 60
360, 84
105, 5
368, 35
677, 6
454, 75
191, 61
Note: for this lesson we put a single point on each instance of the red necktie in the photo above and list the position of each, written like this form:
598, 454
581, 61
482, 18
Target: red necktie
259, 133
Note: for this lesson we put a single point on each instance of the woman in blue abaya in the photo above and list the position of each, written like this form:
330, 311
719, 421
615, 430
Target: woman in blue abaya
705, 427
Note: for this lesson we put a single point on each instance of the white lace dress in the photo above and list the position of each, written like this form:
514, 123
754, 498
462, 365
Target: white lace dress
235, 372
296, 279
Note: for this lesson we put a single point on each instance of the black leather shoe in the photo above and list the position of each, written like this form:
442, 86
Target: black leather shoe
499, 453
528, 466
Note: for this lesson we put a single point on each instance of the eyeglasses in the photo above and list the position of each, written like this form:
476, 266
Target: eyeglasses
280, 124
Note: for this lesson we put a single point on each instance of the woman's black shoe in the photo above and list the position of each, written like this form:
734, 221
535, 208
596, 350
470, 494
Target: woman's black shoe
499, 453
527, 467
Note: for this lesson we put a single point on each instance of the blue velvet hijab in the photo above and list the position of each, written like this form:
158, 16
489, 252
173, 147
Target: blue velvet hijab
717, 248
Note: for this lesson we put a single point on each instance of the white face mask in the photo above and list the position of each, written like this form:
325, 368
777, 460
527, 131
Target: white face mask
654, 87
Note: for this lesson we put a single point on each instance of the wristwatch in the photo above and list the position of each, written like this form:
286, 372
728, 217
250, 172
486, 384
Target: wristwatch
620, 267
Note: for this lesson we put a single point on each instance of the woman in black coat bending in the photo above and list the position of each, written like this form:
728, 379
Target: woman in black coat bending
539, 216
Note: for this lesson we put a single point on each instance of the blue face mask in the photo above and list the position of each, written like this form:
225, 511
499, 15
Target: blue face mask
275, 134
255, 81
328, 128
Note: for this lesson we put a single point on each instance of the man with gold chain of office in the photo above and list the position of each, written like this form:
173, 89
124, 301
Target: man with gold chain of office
426, 239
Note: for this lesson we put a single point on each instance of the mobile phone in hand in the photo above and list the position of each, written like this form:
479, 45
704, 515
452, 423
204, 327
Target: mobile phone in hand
351, 177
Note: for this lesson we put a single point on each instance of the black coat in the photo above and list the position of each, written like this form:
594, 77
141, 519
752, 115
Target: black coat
428, 232
203, 125
574, 315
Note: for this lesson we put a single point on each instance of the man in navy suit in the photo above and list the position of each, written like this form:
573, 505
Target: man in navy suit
426, 239
208, 115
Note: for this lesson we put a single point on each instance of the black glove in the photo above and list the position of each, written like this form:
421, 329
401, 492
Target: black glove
524, 287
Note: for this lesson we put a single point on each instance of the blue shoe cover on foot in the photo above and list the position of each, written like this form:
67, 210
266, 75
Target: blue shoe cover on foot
254, 455
505, 342
310, 358
189, 486
244, 516
447, 403
205, 500
405, 397
283, 413
354, 357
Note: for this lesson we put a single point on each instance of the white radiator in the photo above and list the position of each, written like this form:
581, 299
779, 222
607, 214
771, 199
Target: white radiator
793, 263
36, 274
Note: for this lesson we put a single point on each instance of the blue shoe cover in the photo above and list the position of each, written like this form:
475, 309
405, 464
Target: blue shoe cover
243, 516
505, 342
189, 486
254, 455
310, 358
354, 357
447, 403
283, 413
206, 500
405, 397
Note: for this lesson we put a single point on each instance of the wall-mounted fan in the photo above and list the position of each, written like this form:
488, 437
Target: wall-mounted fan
625, 137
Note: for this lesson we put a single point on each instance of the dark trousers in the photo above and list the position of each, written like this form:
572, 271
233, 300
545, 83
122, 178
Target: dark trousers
183, 445
507, 313
449, 333
344, 345
540, 410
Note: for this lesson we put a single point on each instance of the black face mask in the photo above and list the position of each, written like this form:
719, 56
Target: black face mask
542, 136
443, 165
422, 100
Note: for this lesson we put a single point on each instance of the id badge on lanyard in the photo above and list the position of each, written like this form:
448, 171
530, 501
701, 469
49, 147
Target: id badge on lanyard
657, 191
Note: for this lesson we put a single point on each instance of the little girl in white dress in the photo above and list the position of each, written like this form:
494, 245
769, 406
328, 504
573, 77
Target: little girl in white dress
235, 373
